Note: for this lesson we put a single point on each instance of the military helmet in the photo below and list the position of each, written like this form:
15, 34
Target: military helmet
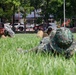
62, 40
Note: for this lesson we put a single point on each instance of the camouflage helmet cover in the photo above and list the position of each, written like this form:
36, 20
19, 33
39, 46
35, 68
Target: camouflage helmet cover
62, 40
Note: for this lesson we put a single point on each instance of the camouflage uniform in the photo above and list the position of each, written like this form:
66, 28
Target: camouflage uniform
8, 31
5, 30
45, 42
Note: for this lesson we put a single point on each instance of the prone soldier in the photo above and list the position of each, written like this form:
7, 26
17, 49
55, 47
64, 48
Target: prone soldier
60, 41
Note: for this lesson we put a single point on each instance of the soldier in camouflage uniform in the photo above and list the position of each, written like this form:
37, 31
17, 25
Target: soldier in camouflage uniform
60, 41
8, 31
5, 30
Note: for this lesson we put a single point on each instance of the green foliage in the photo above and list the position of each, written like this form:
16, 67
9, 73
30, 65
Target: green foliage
35, 3
48, 7
1, 12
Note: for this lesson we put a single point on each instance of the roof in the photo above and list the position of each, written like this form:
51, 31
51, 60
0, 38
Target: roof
18, 15
32, 15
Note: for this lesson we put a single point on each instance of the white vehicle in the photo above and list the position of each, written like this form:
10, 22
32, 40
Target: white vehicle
19, 27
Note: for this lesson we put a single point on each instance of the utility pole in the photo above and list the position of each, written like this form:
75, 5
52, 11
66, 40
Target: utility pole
64, 12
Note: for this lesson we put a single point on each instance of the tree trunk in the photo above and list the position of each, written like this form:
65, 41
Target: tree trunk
13, 17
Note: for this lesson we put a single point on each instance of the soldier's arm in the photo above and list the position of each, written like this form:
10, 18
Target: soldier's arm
20, 50
38, 48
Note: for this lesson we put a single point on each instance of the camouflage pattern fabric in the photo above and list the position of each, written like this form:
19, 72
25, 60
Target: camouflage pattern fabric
44, 45
62, 40
9, 31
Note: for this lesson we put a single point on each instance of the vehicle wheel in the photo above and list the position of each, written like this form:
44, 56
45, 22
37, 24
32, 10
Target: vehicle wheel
21, 28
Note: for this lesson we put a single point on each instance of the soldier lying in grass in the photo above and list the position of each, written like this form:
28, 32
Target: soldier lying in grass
59, 41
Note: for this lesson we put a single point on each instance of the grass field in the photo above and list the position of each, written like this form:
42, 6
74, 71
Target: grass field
14, 63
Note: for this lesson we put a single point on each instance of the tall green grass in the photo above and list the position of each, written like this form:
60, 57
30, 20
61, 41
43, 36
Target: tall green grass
14, 63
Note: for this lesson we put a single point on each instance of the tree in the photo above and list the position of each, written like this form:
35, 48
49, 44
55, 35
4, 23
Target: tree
54, 7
